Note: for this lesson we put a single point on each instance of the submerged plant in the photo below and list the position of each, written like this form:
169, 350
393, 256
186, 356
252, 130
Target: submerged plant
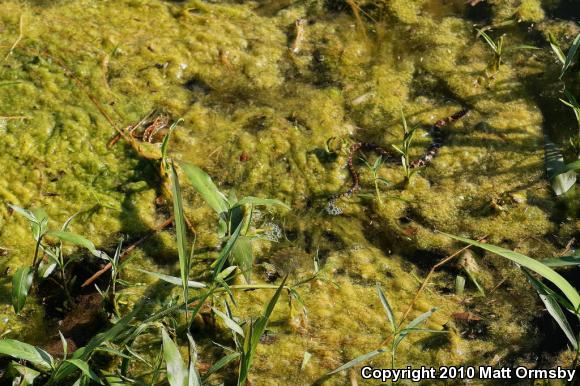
399, 333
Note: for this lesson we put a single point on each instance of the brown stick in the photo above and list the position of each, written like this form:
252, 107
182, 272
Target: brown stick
127, 251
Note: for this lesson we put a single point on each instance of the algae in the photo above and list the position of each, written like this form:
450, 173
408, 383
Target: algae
256, 117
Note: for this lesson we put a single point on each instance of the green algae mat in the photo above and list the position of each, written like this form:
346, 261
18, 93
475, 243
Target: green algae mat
302, 166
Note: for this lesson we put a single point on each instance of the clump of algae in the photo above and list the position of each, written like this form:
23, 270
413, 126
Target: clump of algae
227, 71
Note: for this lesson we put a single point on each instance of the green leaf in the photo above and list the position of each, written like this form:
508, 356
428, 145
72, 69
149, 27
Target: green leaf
206, 188
85, 369
225, 252
388, 309
358, 360
232, 325
262, 202
563, 261
252, 339
243, 256
533, 265
21, 283
488, 40
553, 308
570, 56
24, 213
556, 48
193, 375
221, 363
560, 179
412, 326
28, 374
173, 279
165, 142
180, 231
24, 351
176, 370
75, 239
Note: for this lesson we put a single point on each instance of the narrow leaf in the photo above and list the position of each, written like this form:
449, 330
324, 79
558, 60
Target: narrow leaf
388, 309
173, 279
358, 360
180, 231
570, 56
21, 283
553, 308
206, 188
176, 370
533, 265
85, 369
232, 325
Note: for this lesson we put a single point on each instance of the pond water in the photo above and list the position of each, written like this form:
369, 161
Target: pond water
271, 95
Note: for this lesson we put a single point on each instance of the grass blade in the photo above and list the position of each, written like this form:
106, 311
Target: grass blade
206, 188
85, 369
173, 279
21, 283
556, 48
570, 56
180, 231
357, 360
230, 323
252, 340
531, 264
387, 307
553, 308
563, 261
176, 370
412, 326
221, 363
